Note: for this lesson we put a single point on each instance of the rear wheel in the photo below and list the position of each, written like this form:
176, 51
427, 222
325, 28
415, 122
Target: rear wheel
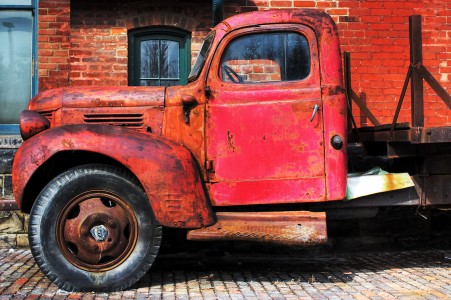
92, 229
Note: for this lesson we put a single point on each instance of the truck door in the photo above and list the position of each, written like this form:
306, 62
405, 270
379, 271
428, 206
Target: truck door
264, 126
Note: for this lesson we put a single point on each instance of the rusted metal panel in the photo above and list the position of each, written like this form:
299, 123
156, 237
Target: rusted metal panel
165, 169
192, 133
139, 108
267, 191
330, 86
272, 140
98, 97
402, 135
427, 135
288, 228
131, 96
32, 123
335, 159
260, 134
145, 119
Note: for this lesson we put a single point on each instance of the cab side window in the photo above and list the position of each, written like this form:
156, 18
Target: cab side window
266, 57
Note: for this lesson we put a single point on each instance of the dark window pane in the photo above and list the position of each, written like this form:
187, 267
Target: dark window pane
150, 52
266, 57
159, 60
169, 59
170, 82
298, 66
149, 82
15, 64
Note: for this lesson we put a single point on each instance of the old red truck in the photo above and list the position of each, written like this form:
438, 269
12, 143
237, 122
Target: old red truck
254, 147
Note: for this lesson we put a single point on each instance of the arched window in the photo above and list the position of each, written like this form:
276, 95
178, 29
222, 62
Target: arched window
158, 56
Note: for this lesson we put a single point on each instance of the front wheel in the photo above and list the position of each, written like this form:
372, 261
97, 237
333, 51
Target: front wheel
92, 229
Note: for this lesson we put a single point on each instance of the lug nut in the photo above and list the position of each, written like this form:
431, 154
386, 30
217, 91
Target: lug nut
84, 231
111, 224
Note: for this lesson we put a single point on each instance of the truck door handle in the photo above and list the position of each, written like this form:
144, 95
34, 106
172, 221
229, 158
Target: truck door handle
315, 110
188, 102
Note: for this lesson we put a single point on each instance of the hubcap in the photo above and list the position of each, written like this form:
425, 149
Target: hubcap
96, 231
99, 233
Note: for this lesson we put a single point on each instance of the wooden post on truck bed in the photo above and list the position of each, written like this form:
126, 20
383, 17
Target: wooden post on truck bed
416, 58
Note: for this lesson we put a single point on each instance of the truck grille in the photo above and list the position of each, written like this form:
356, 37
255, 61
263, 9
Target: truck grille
127, 120
48, 115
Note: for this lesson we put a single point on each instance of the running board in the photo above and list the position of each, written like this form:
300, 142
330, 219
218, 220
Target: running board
287, 227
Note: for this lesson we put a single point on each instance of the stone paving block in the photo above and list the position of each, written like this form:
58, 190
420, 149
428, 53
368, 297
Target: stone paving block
356, 276
8, 241
7, 187
11, 222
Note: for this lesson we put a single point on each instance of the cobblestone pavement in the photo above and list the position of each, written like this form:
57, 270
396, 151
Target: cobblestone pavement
413, 274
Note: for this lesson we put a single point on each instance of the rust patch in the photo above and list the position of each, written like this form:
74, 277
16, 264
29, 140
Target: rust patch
110, 103
288, 228
230, 141
40, 156
68, 144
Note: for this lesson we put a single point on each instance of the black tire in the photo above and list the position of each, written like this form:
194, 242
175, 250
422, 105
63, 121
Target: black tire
98, 210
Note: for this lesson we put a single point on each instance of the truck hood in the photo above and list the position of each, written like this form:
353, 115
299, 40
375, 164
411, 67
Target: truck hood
90, 97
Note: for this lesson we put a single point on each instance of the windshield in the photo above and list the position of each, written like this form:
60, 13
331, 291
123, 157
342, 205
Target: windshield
200, 60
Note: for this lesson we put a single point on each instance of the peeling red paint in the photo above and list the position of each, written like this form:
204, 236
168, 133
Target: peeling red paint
165, 169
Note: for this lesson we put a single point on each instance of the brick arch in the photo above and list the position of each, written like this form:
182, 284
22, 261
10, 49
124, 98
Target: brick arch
169, 19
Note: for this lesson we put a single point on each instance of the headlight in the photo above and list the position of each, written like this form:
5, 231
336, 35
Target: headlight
31, 123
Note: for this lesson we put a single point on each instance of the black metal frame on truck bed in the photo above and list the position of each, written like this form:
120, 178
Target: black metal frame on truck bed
416, 132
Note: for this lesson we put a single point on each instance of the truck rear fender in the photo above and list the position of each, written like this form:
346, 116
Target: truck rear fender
167, 171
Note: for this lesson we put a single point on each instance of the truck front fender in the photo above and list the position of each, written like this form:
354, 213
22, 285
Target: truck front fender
167, 171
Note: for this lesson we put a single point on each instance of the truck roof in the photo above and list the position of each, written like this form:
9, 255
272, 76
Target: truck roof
320, 22
310, 17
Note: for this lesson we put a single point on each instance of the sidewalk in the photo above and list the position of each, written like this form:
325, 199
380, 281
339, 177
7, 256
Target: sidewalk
419, 274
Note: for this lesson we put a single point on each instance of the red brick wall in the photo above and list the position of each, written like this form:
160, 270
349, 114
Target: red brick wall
377, 38
99, 46
53, 43
375, 32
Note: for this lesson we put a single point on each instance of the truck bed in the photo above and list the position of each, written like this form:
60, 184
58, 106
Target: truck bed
402, 132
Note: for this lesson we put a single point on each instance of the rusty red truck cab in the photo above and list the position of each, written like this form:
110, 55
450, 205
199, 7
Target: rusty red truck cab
262, 121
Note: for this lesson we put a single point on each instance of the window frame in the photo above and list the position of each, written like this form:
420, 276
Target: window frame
135, 36
243, 36
213, 74
33, 8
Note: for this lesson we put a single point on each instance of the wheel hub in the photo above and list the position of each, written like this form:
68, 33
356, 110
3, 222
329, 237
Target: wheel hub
99, 233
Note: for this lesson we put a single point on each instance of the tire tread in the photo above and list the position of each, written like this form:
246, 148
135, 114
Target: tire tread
39, 209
